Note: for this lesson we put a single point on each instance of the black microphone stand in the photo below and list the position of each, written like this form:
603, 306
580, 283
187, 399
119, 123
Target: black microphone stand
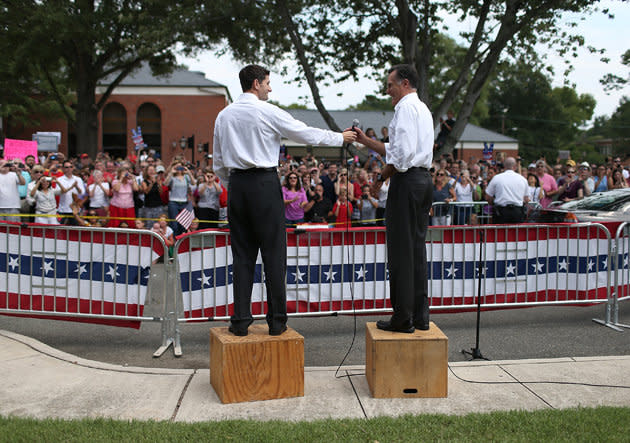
475, 353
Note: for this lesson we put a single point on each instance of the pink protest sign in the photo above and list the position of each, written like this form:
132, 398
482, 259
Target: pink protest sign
19, 149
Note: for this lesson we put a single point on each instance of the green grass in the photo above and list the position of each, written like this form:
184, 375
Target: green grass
584, 424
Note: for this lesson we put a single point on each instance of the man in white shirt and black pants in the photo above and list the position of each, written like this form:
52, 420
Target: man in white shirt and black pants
245, 152
507, 192
409, 154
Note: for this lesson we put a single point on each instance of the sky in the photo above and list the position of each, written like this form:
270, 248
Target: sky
598, 30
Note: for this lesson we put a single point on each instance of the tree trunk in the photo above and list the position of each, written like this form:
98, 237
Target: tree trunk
86, 116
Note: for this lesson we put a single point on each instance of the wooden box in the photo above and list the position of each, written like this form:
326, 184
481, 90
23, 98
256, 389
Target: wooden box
258, 366
402, 365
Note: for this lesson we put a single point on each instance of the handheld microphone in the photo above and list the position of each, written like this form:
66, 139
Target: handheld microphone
355, 123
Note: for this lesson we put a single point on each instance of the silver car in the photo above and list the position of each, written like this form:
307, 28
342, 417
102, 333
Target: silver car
613, 205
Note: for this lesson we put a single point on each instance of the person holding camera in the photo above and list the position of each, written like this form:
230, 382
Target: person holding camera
121, 206
367, 207
209, 190
45, 204
10, 203
179, 180
318, 207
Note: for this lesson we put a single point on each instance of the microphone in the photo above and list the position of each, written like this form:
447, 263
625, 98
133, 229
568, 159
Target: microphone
355, 123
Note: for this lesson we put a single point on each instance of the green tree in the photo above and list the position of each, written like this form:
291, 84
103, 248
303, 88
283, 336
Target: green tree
615, 130
372, 103
332, 39
614, 82
76, 44
524, 105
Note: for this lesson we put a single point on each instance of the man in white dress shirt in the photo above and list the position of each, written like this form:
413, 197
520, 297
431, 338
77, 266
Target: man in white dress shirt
245, 153
409, 154
507, 192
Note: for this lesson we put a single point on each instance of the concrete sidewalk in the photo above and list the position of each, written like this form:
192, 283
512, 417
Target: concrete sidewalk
40, 381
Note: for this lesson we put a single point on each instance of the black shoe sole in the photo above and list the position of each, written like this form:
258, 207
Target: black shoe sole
421, 328
277, 331
390, 328
237, 332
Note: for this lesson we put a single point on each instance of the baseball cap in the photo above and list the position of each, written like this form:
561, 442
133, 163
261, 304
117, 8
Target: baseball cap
570, 162
585, 165
160, 168
532, 166
84, 156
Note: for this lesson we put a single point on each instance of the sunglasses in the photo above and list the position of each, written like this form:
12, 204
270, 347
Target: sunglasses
570, 172
293, 178
441, 175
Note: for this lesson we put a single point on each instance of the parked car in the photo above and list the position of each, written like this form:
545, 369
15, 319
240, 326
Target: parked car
613, 205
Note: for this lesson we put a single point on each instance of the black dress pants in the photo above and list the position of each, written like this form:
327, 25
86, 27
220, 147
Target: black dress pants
508, 214
407, 211
256, 217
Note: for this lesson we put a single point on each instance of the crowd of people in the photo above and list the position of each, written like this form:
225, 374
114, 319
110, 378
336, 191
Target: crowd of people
143, 192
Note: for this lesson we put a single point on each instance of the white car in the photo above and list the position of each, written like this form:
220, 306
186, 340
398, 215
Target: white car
613, 205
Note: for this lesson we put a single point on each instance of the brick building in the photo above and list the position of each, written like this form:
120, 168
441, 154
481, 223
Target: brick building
169, 109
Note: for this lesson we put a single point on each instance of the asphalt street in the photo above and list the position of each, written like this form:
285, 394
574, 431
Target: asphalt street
540, 332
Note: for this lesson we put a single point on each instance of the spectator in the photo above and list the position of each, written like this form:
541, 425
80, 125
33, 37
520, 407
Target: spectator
99, 192
600, 180
162, 228
464, 195
616, 179
153, 190
443, 194
367, 207
446, 126
547, 182
570, 187
584, 175
535, 192
36, 173
328, 181
342, 209
179, 180
343, 182
317, 209
10, 178
29, 161
294, 200
383, 190
385, 134
507, 192
209, 190
71, 189
121, 206
43, 195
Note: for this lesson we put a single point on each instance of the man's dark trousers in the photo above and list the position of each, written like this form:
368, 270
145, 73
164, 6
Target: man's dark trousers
256, 217
407, 211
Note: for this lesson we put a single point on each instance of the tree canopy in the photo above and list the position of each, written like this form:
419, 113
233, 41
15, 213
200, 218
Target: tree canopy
52, 47
332, 40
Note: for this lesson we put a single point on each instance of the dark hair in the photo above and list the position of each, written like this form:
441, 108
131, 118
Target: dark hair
250, 73
406, 72
536, 178
287, 185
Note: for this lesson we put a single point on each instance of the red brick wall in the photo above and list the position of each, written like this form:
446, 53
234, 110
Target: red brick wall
180, 115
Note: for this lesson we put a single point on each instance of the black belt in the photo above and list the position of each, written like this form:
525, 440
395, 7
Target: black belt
509, 206
252, 170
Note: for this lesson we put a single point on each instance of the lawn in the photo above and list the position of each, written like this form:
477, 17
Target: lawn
584, 424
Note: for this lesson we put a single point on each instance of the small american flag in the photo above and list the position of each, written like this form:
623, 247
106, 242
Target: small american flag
186, 216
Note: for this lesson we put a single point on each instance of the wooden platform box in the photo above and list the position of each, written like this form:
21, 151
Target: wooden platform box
258, 366
406, 365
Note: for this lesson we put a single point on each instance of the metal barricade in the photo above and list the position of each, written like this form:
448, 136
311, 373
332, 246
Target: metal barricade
345, 271
96, 275
461, 213
620, 253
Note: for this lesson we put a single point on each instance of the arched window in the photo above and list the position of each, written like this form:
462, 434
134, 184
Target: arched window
150, 121
115, 130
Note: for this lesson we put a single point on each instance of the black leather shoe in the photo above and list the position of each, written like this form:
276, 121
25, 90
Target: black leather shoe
386, 325
421, 327
237, 332
278, 331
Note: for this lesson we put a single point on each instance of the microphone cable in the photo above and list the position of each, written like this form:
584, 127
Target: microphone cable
355, 123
